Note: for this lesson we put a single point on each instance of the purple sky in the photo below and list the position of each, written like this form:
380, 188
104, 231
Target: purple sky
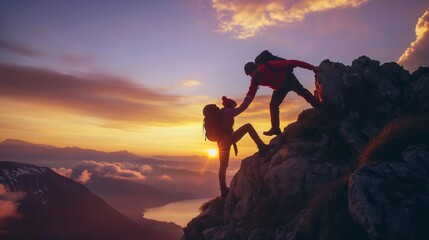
192, 51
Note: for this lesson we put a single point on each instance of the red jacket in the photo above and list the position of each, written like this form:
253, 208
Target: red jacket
274, 80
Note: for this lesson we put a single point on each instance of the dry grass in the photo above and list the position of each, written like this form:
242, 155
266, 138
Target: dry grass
392, 140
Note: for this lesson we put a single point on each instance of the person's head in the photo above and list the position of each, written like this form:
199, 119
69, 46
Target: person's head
249, 68
228, 103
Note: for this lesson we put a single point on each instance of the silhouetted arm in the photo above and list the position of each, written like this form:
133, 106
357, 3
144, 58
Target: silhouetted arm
253, 88
244, 105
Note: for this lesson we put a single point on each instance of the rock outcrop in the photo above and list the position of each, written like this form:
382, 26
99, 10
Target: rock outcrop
356, 169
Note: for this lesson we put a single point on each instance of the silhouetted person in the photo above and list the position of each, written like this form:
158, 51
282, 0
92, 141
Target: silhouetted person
229, 111
279, 76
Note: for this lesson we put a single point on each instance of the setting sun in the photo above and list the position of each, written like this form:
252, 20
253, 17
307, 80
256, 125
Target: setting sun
212, 152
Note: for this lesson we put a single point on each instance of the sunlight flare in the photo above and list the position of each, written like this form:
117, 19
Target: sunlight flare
212, 152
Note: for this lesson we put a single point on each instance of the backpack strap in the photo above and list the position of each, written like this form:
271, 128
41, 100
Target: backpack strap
235, 148
205, 137
271, 68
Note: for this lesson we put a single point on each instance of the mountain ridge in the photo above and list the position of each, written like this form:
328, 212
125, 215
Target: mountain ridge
53, 206
358, 168
13, 148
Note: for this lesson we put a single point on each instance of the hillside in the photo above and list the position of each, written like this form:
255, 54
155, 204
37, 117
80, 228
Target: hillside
109, 174
358, 168
38, 203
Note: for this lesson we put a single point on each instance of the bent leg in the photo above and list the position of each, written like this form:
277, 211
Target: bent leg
224, 150
247, 128
276, 99
303, 92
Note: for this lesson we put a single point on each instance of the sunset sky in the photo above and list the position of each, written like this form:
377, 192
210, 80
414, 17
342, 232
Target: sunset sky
135, 75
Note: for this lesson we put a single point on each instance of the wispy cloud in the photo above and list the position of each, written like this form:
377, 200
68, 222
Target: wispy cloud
146, 168
19, 48
66, 172
84, 176
190, 83
110, 98
8, 205
165, 177
246, 18
418, 53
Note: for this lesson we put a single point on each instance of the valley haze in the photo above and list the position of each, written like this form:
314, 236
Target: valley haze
128, 182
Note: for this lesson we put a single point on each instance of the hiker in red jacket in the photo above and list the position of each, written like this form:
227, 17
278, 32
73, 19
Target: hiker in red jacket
278, 75
231, 137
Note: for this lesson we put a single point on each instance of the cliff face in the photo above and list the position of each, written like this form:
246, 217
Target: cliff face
356, 169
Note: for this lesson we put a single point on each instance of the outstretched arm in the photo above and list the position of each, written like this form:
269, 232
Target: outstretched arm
244, 105
253, 88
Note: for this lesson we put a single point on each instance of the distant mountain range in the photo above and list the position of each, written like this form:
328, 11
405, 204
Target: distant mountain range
53, 156
47, 205
17, 150
165, 180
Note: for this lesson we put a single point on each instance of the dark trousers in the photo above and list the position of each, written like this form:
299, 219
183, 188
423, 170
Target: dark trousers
291, 84
225, 144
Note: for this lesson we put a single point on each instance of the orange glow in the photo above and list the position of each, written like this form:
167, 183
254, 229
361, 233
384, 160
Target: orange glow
212, 152
181, 135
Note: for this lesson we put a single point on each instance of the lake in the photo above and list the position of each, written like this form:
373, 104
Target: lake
178, 212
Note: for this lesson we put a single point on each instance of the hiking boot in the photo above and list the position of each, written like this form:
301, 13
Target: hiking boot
263, 150
273, 131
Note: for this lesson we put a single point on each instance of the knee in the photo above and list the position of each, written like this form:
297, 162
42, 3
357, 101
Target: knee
249, 127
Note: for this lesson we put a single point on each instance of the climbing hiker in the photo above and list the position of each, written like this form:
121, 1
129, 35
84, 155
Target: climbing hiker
227, 137
277, 73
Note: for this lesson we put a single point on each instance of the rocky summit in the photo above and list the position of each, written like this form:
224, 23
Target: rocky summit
358, 168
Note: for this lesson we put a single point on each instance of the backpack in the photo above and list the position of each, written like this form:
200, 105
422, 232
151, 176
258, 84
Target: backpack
212, 122
266, 56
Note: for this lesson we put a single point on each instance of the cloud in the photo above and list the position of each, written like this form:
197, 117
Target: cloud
246, 18
19, 48
8, 205
165, 177
418, 53
66, 172
169, 176
146, 168
110, 98
84, 177
107, 169
190, 83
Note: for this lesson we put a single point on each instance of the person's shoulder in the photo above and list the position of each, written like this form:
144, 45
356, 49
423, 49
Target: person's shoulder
278, 63
226, 110
278, 60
